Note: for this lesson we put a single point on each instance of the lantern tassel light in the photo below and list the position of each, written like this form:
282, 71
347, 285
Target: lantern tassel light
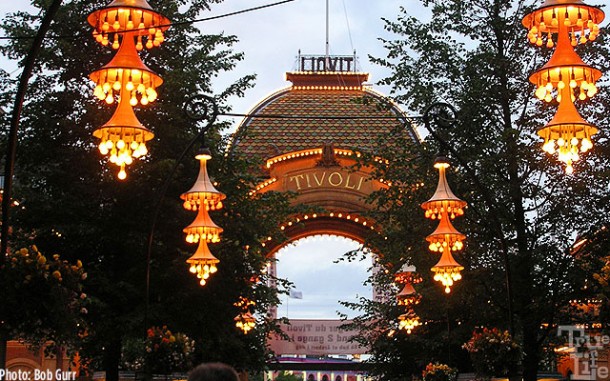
203, 196
565, 74
442, 206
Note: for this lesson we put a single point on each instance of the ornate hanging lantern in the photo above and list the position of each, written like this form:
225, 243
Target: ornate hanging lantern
123, 137
565, 76
447, 270
406, 277
203, 196
126, 77
203, 263
445, 238
408, 322
443, 199
135, 16
245, 320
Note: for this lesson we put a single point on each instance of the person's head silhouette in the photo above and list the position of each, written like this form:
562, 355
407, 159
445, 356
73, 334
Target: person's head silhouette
213, 372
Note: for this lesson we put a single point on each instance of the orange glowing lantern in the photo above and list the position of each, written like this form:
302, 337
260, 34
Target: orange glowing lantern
203, 196
443, 199
408, 322
447, 270
445, 238
126, 76
245, 320
565, 76
123, 137
203, 263
134, 16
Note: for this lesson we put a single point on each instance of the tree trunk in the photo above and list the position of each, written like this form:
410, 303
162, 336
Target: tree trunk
112, 358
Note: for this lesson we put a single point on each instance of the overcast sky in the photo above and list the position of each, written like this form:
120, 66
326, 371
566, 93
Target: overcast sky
271, 39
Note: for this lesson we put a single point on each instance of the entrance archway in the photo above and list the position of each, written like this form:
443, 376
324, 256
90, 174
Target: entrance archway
326, 121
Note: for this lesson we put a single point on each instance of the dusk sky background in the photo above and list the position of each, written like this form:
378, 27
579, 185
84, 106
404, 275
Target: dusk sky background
271, 39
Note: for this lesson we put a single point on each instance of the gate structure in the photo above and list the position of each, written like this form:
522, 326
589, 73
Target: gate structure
309, 135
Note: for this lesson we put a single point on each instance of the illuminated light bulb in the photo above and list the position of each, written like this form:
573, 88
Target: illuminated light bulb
574, 141
122, 174
539, 41
193, 269
149, 44
115, 43
549, 43
540, 93
559, 97
144, 100
105, 26
128, 160
582, 96
106, 87
141, 88
116, 86
103, 149
116, 25
561, 85
548, 97
142, 148
110, 99
133, 101
129, 24
569, 169
561, 142
573, 83
549, 87
120, 144
202, 282
133, 145
129, 86
109, 144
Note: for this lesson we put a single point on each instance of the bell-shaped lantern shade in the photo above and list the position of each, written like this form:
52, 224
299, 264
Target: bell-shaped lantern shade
123, 137
443, 201
203, 191
445, 236
134, 16
127, 76
447, 270
565, 69
203, 263
408, 322
408, 296
567, 134
575, 17
202, 228
245, 321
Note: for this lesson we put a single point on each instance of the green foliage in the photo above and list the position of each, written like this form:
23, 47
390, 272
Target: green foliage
72, 203
523, 212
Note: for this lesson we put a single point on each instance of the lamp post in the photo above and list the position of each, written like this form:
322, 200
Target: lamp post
441, 116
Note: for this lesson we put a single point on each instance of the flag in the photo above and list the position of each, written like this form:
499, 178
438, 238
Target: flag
294, 294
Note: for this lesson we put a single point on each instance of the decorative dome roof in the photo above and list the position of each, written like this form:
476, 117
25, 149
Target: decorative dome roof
336, 108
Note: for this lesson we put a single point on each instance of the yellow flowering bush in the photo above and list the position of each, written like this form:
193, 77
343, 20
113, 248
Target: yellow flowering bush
43, 297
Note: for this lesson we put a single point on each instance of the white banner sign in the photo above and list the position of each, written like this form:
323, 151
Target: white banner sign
315, 337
